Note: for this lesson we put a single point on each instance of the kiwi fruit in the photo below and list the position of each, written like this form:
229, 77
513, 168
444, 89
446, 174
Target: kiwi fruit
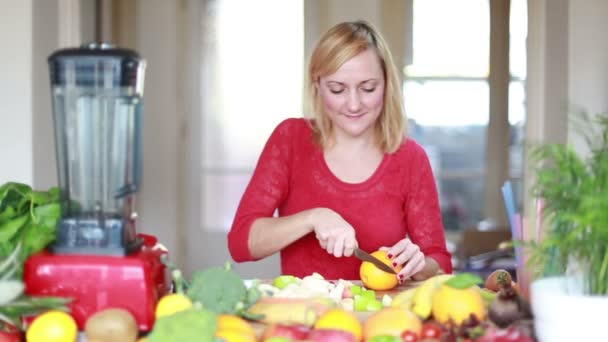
111, 325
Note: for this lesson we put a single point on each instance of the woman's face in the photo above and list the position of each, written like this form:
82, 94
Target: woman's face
353, 96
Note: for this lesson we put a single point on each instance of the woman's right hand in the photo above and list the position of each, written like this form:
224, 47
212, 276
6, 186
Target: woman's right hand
335, 235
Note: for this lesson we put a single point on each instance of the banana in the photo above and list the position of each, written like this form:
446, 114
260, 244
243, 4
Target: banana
404, 299
423, 296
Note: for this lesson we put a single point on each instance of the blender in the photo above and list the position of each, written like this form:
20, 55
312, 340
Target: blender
98, 258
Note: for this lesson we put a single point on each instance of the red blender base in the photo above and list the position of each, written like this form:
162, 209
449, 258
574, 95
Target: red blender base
134, 282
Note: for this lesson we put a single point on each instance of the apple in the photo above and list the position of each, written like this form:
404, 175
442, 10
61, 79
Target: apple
296, 332
331, 335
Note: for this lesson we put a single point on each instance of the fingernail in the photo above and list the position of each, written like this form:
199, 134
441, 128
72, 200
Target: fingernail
394, 264
401, 277
390, 256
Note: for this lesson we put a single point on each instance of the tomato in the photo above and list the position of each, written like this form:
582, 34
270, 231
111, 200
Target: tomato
409, 336
431, 330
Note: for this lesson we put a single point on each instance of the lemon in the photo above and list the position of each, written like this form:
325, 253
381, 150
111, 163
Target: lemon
172, 303
375, 278
52, 326
339, 319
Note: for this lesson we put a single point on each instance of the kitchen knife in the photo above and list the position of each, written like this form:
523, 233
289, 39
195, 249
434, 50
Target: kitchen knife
363, 255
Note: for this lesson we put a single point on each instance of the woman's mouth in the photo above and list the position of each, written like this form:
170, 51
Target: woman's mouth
354, 116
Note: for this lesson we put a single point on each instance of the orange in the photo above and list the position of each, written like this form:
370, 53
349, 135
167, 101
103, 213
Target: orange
340, 319
391, 322
457, 304
52, 326
375, 278
233, 322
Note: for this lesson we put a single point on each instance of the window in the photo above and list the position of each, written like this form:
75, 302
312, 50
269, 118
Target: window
447, 98
253, 55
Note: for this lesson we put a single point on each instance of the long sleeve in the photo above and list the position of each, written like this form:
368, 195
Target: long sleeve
267, 188
423, 215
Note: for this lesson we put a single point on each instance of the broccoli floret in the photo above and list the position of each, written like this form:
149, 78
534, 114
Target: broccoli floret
218, 289
185, 326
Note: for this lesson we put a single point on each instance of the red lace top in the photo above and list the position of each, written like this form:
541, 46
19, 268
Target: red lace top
398, 200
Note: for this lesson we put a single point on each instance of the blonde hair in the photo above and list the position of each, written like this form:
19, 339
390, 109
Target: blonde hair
339, 44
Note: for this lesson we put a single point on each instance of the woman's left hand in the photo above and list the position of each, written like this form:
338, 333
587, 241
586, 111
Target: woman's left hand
408, 254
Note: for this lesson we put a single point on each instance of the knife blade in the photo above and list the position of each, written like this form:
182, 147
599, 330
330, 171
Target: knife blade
363, 255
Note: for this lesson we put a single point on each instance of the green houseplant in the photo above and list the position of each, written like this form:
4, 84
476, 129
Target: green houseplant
570, 259
574, 188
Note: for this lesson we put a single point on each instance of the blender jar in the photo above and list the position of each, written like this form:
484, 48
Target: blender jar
97, 94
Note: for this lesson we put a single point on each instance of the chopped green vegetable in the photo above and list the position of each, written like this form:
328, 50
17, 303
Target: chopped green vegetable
283, 280
356, 289
374, 305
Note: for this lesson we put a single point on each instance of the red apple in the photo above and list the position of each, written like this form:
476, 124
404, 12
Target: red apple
296, 332
331, 335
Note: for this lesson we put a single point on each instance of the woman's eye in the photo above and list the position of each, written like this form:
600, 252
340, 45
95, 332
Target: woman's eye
336, 91
369, 90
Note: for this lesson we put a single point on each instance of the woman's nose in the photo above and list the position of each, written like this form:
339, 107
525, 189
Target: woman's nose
354, 102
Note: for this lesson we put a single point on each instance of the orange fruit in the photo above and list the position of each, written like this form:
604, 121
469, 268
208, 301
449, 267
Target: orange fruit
375, 278
391, 322
457, 304
339, 319
53, 326
233, 322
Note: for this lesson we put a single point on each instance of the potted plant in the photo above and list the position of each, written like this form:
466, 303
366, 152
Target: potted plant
570, 259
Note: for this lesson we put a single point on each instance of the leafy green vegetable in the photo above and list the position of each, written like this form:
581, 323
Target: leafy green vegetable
13, 303
194, 324
28, 217
464, 280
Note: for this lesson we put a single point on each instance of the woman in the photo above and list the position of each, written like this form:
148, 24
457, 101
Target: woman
347, 177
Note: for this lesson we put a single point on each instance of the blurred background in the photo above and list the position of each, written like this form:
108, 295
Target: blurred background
482, 80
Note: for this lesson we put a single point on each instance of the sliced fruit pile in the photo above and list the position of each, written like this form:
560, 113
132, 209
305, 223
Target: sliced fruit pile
343, 293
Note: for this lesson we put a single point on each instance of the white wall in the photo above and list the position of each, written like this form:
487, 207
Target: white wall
587, 60
16, 155
156, 25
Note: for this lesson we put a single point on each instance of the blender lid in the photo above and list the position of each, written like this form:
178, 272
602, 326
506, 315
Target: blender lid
127, 65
